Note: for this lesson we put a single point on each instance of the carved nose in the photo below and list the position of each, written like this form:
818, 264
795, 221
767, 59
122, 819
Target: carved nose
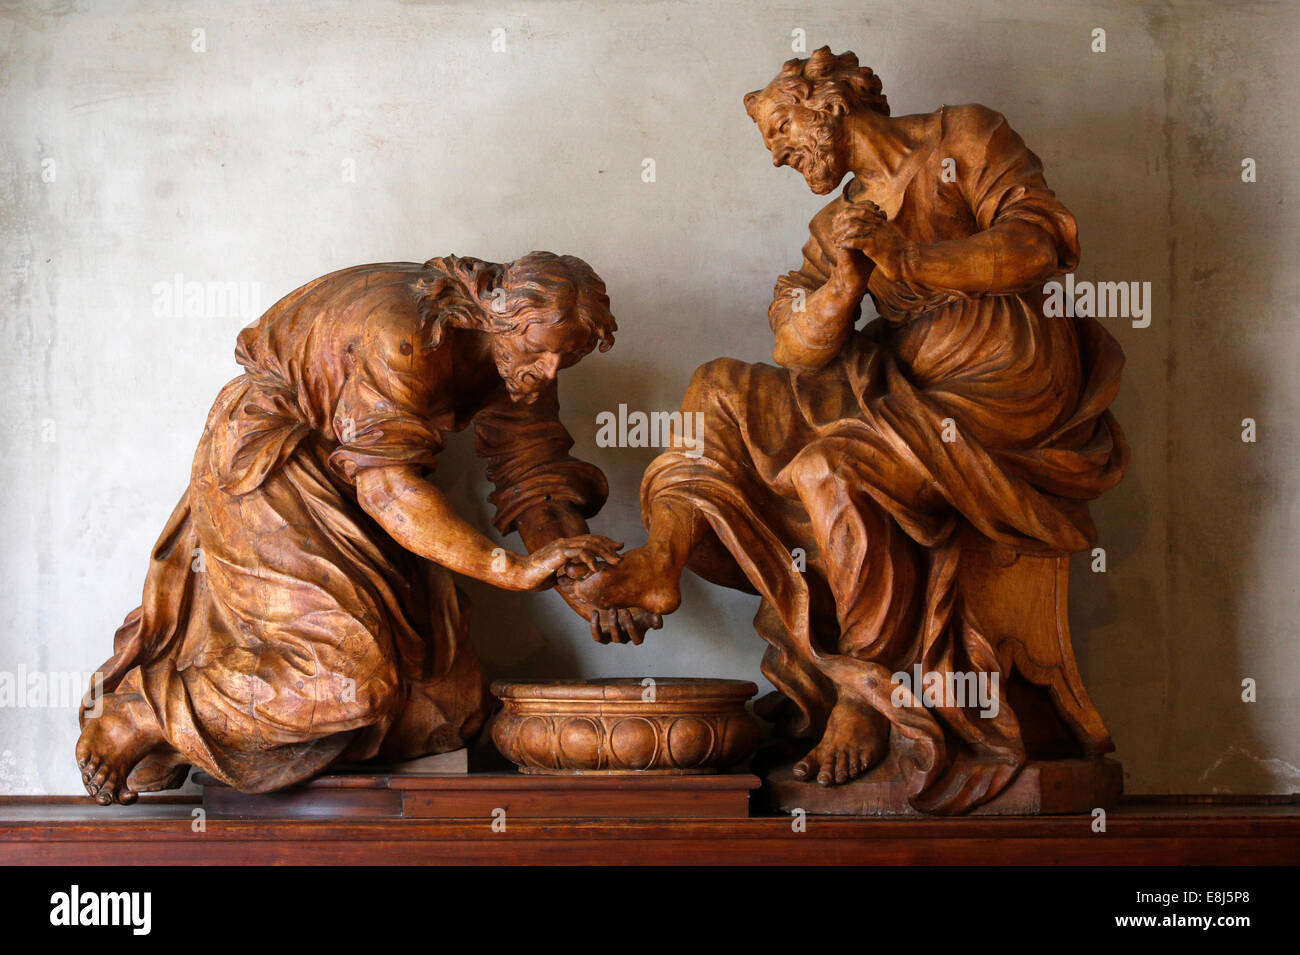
549, 365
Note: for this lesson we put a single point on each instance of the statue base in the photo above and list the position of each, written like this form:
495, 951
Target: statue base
469, 796
1043, 788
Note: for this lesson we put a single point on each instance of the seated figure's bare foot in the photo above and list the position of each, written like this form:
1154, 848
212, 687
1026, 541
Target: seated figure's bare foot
109, 748
856, 738
645, 577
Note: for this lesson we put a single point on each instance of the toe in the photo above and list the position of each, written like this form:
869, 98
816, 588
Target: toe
867, 758
841, 767
104, 798
807, 766
826, 775
109, 788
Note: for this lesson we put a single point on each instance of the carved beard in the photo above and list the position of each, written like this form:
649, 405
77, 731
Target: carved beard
818, 160
521, 391
512, 372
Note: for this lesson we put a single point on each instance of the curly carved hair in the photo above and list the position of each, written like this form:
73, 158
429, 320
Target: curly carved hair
827, 82
466, 292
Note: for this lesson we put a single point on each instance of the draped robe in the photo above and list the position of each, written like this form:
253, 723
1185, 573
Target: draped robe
281, 627
950, 411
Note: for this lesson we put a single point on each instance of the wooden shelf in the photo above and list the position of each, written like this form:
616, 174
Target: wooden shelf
69, 831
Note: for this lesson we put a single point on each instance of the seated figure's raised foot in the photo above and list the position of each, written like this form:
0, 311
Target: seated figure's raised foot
643, 578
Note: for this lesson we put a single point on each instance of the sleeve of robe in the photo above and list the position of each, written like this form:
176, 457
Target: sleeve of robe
528, 460
1003, 182
811, 275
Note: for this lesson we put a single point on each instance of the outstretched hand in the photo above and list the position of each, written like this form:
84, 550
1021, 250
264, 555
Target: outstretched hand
567, 558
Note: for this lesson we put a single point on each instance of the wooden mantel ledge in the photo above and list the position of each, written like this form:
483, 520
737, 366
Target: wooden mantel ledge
1140, 831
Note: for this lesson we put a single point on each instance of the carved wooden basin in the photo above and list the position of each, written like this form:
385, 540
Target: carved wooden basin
625, 725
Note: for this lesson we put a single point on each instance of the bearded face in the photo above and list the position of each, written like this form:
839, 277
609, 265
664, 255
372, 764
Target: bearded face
805, 139
817, 158
528, 360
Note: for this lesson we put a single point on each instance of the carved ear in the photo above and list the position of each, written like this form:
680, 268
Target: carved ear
751, 104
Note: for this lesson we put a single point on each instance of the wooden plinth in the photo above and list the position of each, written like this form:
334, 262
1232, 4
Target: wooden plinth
163, 831
487, 795
1047, 787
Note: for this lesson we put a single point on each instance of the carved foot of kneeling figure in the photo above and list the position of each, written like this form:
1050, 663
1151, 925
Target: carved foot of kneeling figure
856, 738
109, 748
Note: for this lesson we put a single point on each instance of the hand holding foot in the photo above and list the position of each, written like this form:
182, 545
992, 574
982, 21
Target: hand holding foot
614, 625
566, 558
643, 578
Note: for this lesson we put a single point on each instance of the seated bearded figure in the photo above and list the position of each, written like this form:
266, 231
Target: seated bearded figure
860, 485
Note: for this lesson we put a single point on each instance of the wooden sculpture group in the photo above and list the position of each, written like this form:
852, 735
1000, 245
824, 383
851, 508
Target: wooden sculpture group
902, 496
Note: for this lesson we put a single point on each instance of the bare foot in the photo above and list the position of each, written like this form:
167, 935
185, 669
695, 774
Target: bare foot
109, 747
163, 768
643, 578
856, 738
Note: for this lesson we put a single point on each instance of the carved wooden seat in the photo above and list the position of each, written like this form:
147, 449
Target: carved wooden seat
1017, 600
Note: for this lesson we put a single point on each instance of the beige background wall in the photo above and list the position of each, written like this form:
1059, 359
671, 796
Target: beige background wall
230, 165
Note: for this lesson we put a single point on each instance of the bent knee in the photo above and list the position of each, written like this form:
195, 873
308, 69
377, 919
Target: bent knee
816, 465
715, 381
